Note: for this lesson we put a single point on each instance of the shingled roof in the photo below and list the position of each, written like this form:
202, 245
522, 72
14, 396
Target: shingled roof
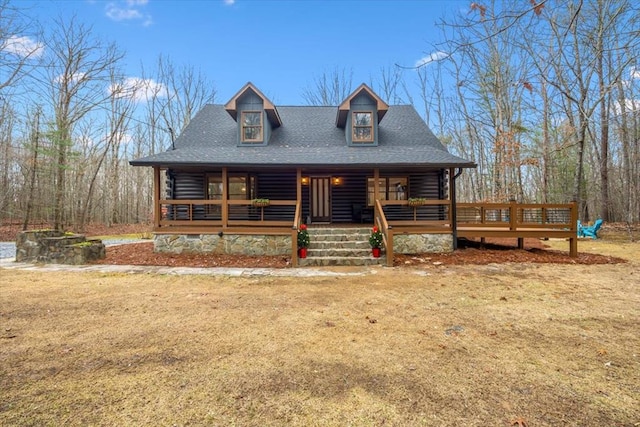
308, 137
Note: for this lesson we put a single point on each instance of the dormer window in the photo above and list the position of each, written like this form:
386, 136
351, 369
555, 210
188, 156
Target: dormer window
255, 115
362, 124
359, 115
251, 126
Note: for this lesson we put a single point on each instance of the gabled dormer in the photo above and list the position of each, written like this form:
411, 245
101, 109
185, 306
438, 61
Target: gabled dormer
359, 116
255, 115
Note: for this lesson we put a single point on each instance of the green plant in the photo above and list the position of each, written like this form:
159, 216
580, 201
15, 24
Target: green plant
375, 239
303, 236
416, 201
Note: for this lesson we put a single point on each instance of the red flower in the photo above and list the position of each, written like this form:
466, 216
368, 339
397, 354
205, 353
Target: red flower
375, 229
303, 226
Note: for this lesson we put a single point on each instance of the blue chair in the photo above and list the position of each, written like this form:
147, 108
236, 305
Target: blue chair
585, 231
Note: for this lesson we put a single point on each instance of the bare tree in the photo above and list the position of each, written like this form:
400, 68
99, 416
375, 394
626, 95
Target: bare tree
330, 88
79, 71
34, 142
187, 91
19, 45
388, 84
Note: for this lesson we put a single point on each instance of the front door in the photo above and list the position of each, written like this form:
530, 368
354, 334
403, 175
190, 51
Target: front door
320, 203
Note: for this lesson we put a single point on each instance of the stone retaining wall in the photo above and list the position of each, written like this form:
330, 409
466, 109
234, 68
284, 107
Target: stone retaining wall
56, 247
422, 243
229, 244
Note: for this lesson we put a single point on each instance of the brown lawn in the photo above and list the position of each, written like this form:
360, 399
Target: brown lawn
422, 344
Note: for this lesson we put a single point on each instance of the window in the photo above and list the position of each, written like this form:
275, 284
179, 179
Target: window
362, 127
251, 126
390, 188
241, 187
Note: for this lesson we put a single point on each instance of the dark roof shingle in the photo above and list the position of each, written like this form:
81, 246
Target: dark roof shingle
308, 137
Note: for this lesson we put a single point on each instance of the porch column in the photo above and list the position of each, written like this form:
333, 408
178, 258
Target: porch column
156, 197
225, 197
376, 190
298, 185
453, 216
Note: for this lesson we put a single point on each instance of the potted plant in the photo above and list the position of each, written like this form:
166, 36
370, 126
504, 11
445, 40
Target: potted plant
416, 201
260, 202
303, 241
375, 240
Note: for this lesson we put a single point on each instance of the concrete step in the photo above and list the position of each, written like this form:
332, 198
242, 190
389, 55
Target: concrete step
361, 231
339, 252
310, 261
339, 244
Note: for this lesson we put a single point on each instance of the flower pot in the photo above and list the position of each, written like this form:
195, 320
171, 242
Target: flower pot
302, 252
375, 252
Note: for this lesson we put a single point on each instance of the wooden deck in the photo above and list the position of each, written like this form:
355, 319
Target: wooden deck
482, 220
519, 220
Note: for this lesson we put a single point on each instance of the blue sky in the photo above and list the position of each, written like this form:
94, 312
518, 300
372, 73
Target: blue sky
278, 45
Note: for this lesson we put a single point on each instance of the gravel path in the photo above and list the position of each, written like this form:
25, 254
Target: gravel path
8, 249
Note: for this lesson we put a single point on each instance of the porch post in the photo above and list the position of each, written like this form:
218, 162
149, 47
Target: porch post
225, 197
573, 240
376, 190
298, 185
156, 197
453, 217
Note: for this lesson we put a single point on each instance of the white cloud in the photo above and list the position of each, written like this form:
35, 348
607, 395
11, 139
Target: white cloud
635, 73
75, 77
22, 46
140, 90
128, 11
630, 105
229, 2
432, 57
121, 138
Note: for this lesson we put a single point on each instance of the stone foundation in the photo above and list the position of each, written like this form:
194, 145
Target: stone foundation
56, 247
422, 243
228, 244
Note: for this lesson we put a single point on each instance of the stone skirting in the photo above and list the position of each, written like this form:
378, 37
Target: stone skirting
422, 243
229, 244
57, 247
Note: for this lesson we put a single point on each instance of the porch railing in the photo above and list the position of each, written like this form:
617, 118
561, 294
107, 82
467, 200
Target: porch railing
297, 220
394, 217
233, 213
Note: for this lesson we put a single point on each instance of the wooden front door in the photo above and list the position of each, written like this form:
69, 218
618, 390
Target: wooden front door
320, 203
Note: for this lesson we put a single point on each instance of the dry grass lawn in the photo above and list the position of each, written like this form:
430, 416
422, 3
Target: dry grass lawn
443, 346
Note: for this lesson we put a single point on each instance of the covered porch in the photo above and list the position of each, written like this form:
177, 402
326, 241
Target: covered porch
267, 200
276, 203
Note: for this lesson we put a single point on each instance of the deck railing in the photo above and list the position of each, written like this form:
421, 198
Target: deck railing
519, 220
517, 215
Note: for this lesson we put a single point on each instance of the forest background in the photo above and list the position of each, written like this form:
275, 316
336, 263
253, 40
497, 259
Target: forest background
543, 95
